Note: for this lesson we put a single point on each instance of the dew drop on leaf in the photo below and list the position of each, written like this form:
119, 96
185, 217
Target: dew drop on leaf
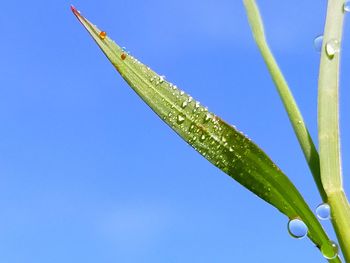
207, 117
346, 6
297, 228
184, 104
330, 251
323, 211
161, 79
180, 119
102, 35
332, 47
318, 43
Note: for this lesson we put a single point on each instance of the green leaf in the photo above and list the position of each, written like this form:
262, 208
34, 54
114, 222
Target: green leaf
220, 143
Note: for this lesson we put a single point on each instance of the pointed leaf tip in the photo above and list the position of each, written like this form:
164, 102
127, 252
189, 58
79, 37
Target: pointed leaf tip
74, 10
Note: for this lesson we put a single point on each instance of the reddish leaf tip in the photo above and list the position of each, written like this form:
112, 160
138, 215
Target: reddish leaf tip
74, 10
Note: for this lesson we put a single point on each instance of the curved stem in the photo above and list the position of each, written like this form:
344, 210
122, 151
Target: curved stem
295, 117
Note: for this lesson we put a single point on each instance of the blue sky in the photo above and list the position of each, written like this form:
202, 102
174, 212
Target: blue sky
89, 174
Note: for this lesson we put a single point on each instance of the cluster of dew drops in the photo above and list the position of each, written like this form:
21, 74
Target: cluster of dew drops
332, 47
296, 227
180, 118
186, 100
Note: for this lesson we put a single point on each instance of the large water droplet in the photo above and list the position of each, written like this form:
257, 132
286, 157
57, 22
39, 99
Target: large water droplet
102, 35
330, 251
318, 43
332, 47
297, 228
346, 6
323, 211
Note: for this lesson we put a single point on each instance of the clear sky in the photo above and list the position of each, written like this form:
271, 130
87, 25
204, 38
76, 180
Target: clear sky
88, 173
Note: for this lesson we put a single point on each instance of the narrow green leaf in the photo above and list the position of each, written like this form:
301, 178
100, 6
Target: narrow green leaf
217, 141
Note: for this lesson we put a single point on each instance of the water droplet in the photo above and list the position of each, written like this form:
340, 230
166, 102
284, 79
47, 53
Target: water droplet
318, 43
207, 117
123, 56
332, 47
323, 211
346, 6
330, 251
102, 35
180, 119
161, 79
202, 137
297, 228
184, 104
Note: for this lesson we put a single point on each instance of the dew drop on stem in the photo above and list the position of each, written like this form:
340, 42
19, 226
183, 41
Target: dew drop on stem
323, 211
318, 43
332, 47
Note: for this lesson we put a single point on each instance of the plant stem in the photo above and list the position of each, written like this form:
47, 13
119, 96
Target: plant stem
286, 95
328, 124
340, 218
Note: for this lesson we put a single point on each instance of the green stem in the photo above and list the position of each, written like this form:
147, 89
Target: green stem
328, 124
288, 100
340, 217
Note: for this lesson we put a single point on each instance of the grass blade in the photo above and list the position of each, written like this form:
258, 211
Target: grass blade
217, 141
